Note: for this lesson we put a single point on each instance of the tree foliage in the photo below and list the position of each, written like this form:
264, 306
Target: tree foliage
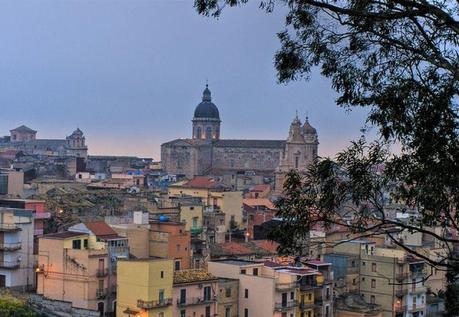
13, 307
400, 59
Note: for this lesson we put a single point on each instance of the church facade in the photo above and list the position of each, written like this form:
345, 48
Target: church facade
205, 153
24, 139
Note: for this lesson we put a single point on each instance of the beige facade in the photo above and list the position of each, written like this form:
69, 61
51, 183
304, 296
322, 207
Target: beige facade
11, 182
228, 297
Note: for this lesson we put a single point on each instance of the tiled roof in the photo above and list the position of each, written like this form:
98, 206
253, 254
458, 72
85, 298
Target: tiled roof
101, 229
63, 235
253, 202
190, 276
24, 128
257, 247
203, 182
260, 188
267, 245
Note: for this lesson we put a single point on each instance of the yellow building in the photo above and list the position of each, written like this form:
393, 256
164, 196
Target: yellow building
145, 288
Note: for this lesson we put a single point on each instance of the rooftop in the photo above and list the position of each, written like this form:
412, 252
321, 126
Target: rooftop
190, 276
253, 202
236, 262
23, 128
63, 235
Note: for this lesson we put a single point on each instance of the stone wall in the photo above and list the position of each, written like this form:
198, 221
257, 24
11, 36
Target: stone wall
56, 308
261, 160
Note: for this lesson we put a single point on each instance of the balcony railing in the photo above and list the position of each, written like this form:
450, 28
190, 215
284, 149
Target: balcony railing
9, 264
400, 277
189, 301
417, 290
285, 305
101, 272
10, 246
286, 286
150, 304
196, 230
42, 215
5, 227
101, 293
417, 307
307, 287
307, 305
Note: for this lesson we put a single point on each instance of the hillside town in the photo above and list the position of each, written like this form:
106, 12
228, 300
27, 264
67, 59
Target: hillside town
188, 235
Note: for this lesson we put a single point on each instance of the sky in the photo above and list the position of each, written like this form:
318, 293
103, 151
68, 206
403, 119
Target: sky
130, 73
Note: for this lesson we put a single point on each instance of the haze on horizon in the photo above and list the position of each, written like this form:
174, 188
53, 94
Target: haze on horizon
130, 73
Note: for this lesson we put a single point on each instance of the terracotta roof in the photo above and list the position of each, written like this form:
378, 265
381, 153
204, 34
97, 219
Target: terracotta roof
101, 229
63, 235
260, 188
257, 247
203, 182
267, 245
253, 202
190, 276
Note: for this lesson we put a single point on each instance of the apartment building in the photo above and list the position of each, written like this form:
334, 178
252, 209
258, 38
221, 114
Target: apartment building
40, 215
145, 288
170, 240
16, 248
390, 278
80, 265
284, 291
194, 294
228, 297
11, 182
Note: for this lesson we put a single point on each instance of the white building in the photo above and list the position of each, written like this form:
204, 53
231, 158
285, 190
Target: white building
16, 248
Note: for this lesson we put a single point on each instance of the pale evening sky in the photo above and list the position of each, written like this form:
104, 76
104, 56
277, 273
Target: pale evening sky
130, 73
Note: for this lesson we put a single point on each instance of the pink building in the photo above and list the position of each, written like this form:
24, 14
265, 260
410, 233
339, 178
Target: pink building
22, 133
36, 206
194, 293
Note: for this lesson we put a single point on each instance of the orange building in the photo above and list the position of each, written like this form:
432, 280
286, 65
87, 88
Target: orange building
169, 240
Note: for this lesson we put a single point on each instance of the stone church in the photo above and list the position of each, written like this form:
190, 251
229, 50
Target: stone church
206, 154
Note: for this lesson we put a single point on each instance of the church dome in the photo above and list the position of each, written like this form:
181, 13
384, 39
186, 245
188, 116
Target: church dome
308, 128
206, 109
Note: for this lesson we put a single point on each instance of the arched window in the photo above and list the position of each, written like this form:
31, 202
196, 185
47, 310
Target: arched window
208, 133
198, 132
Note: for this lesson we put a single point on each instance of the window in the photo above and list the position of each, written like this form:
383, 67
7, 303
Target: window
207, 293
161, 314
228, 292
373, 283
292, 295
363, 279
354, 281
183, 296
327, 311
243, 271
178, 247
76, 244
208, 133
373, 267
207, 311
85, 243
255, 271
372, 299
161, 295
363, 263
177, 265
297, 160
183, 313
246, 293
198, 133
353, 263
246, 312
227, 311
310, 297
162, 274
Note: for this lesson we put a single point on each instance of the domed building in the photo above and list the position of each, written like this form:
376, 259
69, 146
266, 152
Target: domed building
205, 153
206, 120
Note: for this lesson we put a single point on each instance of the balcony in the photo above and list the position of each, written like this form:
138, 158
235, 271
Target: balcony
151, 304
307, 287
42, 215
11, 265
190, 301
398, 308
196, 230
9, 227
281, 287
416, 307
401, 292
400, 277
101, 293
102, 272
284, 306
305, 306
10, 246
417, 290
